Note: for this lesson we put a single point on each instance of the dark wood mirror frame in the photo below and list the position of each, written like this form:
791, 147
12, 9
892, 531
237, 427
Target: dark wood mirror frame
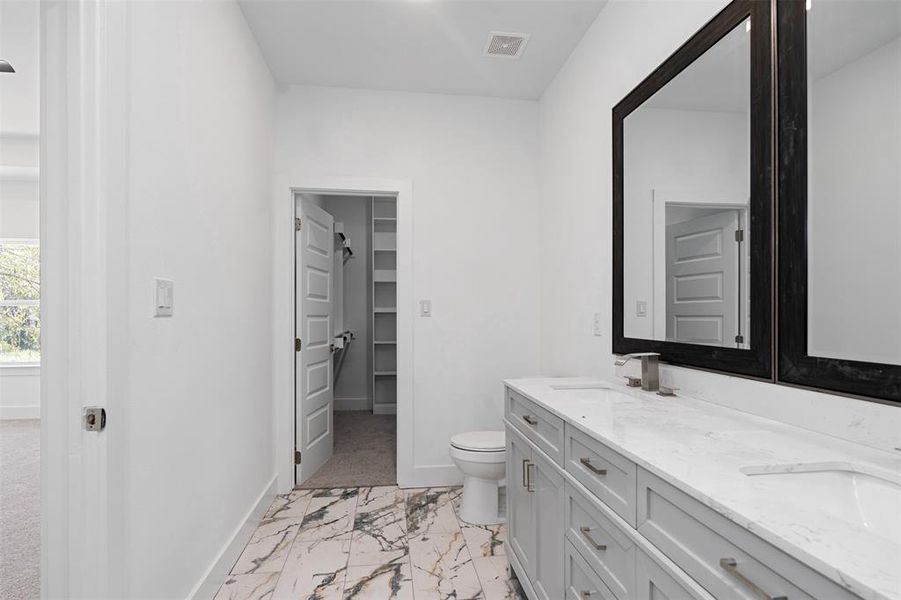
796, 366
756, 361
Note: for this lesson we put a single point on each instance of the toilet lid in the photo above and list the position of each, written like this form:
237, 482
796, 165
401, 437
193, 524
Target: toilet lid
479, 441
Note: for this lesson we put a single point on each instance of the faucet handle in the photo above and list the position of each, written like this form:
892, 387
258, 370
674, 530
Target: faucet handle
633, 381
667, 391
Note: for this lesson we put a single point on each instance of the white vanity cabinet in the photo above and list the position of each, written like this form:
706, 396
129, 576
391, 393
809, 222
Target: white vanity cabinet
535, 517
586, 522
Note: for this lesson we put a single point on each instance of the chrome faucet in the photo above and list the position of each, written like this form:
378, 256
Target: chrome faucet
650, 370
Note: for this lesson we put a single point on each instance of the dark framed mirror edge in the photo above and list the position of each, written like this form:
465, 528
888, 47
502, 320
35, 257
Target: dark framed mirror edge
756, 362
864, 380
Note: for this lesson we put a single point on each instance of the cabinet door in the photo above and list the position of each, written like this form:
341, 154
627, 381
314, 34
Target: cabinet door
520, 520
546, 484
654, 583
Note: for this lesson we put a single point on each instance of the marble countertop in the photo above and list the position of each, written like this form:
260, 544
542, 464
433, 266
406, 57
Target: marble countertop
701, 448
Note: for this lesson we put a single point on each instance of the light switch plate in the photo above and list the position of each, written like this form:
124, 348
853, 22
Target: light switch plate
163, 297
641, 308
425, 308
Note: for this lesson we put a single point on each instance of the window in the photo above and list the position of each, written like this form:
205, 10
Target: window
20, 296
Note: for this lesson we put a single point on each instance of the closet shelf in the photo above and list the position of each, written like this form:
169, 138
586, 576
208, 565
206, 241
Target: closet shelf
385, 374
384, 275
385, 343
392, 309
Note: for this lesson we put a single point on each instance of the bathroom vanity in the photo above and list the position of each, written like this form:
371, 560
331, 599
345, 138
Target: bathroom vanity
616, 493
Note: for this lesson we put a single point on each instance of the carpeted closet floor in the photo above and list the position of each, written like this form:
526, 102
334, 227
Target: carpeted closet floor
365, 452
20, 509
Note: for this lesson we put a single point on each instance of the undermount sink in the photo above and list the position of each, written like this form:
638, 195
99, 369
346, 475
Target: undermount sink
867, 499
585, 385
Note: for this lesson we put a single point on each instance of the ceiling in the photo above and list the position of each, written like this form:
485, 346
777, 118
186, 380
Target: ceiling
417, 45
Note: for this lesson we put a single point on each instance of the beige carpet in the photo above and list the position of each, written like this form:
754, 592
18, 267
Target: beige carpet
20, 509
365, 452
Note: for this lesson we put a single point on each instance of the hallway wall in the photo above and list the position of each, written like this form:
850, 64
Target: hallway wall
198, 413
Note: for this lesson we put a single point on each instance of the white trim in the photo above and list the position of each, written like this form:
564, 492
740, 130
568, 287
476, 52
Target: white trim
355, 404
218, 571
13, 413
283, 311
20, 369
433, 476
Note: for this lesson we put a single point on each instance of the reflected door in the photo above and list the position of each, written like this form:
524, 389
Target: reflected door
702, 280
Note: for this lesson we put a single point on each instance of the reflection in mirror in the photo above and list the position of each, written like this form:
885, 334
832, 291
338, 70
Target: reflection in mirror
854, 180
686, 187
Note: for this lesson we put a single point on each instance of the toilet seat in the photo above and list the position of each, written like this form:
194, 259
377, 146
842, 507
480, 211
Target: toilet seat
479, 441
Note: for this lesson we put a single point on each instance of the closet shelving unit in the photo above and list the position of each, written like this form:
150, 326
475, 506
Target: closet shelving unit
384, 305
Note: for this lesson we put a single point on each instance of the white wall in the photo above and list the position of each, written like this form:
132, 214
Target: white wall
855, 199
473, 166
198, 414
20, 395
352, 387
626, 42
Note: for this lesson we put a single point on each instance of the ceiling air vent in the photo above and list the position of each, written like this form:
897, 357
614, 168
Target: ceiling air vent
506, 45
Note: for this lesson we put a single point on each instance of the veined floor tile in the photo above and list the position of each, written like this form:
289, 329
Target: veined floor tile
248, 587
329, 517
498, 583
431, 510
268, 547
388, 581
442, 567
485, 540
289, 506
343, 493
377, 498
314, 571
380, 535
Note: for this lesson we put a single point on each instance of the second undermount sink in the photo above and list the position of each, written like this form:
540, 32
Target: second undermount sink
867, 499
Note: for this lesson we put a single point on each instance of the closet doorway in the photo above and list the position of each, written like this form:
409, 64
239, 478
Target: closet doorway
346, 339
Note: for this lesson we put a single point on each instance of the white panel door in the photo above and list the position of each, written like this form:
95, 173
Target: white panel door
314, 394
702, 280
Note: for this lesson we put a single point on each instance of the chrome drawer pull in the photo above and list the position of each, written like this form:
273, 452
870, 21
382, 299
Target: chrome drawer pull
525, 472
591, 467
587, 593
530, 420
731, 567
585, 531
529, 476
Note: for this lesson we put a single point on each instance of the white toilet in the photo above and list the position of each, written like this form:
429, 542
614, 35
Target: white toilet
481, 457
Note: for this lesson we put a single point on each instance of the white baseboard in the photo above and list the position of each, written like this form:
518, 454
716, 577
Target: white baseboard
352, 404
432, 476
215, 576
384, 409
19, 412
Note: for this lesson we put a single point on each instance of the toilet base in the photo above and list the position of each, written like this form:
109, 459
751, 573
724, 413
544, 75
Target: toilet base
480, 505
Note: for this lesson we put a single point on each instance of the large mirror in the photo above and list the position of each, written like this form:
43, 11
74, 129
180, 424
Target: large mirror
692, 200
840, 144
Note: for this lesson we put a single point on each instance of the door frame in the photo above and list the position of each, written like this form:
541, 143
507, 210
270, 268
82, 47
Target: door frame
284, 313
701, 199
84, 294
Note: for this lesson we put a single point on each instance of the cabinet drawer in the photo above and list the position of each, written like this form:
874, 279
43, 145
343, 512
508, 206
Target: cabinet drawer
581, 582
726, 559
603, 545
539, 425
609, 476
653, 582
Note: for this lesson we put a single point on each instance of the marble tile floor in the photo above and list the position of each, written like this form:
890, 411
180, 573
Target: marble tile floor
371, 543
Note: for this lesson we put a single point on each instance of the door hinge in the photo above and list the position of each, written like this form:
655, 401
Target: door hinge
93, 418
739, 235
297, 457
739, 339
298, 224
297, 344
